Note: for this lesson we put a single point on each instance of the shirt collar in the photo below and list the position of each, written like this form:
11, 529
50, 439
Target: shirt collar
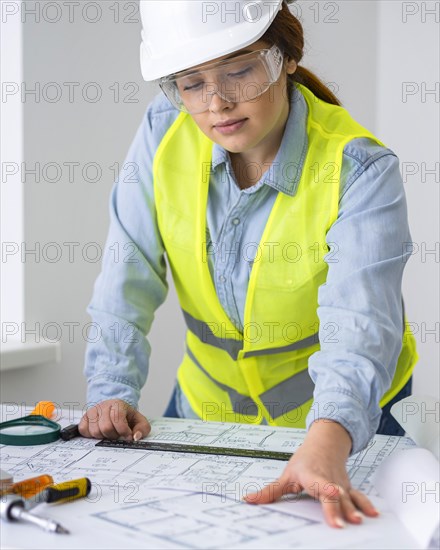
285, 171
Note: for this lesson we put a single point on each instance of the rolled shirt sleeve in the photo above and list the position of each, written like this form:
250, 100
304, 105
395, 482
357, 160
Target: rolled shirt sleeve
360, 304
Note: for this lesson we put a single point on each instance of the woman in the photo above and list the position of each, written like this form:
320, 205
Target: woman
283, 221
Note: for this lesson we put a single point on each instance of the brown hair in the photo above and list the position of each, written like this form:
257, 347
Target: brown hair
287, 33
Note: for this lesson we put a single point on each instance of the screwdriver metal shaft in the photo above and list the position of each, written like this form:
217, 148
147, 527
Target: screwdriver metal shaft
12, 508
47, 524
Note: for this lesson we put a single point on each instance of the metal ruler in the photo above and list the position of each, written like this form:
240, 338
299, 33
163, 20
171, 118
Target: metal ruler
198, 449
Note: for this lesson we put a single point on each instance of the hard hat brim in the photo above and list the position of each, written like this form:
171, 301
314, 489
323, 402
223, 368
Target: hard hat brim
194, 53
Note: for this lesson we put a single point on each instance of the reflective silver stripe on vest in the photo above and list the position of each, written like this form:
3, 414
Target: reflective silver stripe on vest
279, 400
288, 395
204, 333
304, 343
241, 404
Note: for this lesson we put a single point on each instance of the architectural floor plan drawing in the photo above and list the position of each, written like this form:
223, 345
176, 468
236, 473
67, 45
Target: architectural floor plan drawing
165, 499
197, 520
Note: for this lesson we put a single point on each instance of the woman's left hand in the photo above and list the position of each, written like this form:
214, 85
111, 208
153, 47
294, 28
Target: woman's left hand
318, 468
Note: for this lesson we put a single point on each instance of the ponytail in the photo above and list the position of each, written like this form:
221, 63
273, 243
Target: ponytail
313, 83
287, 33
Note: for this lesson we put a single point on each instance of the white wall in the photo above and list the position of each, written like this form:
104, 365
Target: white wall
75, 130
408, 122
11, 191
361, 47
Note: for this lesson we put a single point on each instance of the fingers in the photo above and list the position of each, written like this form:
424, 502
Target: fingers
115, 424
274, 491
339, 505
333, 509
348, 509
139, 424
113, 419
363, 503
83, 427
97, 422
347, 506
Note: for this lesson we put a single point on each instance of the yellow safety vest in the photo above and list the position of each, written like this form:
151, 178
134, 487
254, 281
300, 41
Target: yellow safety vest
260, 373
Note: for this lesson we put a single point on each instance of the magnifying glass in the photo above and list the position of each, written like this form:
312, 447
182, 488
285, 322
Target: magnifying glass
29, 430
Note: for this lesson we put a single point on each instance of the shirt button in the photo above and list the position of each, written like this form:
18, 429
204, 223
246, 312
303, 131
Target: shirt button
236, 221
222, 279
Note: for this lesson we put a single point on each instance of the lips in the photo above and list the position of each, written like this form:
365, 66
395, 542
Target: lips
227, 127
230, 122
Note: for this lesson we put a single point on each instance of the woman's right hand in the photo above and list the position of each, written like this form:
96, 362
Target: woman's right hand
114, 419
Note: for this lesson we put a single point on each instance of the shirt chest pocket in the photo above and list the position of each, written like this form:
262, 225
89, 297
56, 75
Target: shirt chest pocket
177, 229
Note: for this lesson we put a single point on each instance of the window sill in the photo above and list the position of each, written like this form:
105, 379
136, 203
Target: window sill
17, 355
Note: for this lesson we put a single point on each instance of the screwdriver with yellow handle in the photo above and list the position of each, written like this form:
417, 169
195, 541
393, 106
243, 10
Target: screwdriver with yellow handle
61, 492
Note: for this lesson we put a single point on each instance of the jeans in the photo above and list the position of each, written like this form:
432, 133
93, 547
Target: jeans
387, 425
171, 410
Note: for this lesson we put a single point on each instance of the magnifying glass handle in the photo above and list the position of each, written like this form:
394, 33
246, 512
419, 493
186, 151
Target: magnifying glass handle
69, 432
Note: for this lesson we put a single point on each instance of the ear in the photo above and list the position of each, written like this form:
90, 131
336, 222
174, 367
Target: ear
291, 66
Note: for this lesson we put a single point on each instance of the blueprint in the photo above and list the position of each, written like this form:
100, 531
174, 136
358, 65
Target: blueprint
173, 500
143, 468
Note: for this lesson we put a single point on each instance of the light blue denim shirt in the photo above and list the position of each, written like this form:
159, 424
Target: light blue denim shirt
361, 296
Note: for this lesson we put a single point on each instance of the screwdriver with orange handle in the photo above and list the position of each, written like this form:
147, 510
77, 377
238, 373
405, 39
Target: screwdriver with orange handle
28, 487
44, 408
47, 409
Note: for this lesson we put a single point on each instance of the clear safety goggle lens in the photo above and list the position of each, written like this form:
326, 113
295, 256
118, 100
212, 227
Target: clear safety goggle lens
243, 78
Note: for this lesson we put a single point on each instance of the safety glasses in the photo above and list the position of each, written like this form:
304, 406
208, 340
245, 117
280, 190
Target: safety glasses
242, 78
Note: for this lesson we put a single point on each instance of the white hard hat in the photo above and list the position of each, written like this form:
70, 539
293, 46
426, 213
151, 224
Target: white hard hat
179, 34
